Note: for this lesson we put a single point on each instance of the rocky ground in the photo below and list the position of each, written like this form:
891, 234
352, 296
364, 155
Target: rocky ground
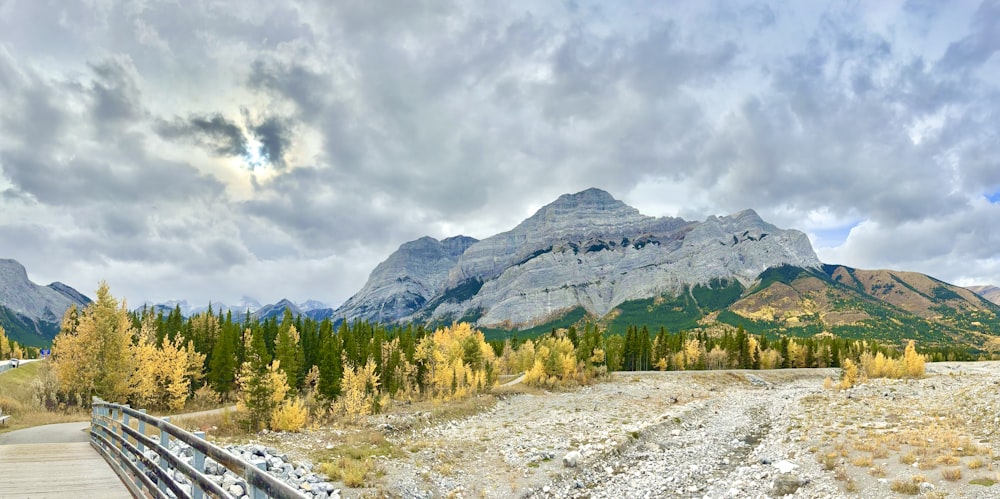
698, 434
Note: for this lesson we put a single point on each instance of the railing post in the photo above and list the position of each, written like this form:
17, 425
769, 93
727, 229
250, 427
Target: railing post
141, 446
199, 464
255, 492
165, 444
122, 434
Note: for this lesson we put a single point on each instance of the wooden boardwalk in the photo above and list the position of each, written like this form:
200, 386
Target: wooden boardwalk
60, 470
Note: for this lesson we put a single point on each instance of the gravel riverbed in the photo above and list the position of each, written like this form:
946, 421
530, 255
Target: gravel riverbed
709, 434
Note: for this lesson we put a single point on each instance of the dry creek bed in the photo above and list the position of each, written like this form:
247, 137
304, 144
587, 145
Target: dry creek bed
699, 434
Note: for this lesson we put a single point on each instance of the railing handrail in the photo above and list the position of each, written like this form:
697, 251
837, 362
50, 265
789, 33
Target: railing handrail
111, 433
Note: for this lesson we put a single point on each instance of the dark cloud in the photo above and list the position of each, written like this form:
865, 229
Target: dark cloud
979, 45
116, 93
215, 133
274, 135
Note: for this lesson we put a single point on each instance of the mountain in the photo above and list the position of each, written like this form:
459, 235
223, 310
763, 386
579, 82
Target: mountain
880, 304
30, 313
407, 280
583, 252
310, 305
277, 310
991, 293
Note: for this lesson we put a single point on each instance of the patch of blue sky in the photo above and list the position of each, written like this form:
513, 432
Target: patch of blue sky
832, 237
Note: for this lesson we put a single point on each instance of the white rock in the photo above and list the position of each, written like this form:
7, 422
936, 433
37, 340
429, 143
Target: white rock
784, 466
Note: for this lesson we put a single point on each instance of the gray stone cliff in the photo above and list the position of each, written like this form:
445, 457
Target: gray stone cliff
405, 281
38, 303
586, 249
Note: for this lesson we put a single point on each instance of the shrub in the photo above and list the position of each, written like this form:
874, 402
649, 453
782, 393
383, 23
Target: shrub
849, 375
907, 487
951, 474
290, 416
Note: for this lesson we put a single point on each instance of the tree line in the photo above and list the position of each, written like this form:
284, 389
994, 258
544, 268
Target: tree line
282, 371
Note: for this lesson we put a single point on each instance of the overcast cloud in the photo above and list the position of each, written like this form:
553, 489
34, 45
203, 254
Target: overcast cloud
210, 150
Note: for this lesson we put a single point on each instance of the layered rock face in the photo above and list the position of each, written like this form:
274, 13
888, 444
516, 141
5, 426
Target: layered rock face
586, 249
411, 276
20, 295
37, 309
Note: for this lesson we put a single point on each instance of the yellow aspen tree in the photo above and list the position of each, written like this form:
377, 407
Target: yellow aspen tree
454, 355
359, 391
4, 344
291, 415
173, 368
850, 375
93, 354
913, 363
693, 351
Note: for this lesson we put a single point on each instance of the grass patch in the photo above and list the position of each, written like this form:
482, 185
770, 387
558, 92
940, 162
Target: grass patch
908, 487
224, 424
353, 460
985, 482
17, 398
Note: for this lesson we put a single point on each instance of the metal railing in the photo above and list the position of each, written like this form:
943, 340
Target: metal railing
124, 448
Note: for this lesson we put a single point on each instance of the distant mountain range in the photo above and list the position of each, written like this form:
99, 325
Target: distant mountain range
588, 256
310, 308
991, 293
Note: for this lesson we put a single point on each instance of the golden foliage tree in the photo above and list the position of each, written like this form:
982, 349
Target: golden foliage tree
459, 361
359, 391
261, 391
555, 363
92, 352
913, 362
4, 344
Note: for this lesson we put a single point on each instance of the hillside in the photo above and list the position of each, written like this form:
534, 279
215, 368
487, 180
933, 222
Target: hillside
31, 313
881, 304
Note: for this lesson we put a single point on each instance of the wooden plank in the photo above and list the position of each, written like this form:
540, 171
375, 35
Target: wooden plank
57, 470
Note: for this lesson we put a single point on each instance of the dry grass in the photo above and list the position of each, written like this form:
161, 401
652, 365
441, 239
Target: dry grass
224, 424
17, 400
975, 463
353, 460
951, 474
908, 487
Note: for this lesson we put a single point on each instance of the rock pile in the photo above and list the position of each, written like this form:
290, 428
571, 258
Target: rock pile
277, 464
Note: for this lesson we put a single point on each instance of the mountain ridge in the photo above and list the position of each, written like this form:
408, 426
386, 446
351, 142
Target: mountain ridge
586, 250
31, 314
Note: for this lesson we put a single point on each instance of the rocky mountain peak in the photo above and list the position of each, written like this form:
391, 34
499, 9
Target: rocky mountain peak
39, 307
584, 250
582, 209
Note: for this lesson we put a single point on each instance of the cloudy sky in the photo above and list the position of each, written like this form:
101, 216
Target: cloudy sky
212, 149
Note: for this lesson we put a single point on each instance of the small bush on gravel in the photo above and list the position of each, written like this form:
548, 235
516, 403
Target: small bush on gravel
907, 487
951, 474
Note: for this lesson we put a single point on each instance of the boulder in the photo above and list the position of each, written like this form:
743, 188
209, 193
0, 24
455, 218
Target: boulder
571, 459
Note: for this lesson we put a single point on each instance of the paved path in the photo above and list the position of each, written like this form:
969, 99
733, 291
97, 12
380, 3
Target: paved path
55, 461
49, 434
